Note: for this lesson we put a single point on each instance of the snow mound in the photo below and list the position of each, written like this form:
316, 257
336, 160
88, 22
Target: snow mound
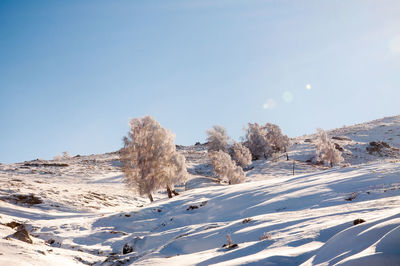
373, 243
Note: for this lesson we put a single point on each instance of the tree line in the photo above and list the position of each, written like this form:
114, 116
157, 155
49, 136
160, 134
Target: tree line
150, 161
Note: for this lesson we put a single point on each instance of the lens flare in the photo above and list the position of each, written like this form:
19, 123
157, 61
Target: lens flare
288, 96
269, 104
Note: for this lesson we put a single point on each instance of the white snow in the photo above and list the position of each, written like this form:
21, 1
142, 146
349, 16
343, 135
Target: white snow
276, 218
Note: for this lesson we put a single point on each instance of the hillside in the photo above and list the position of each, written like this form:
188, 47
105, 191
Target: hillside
78, 211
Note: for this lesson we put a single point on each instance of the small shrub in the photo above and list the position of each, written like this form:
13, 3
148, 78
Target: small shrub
265, 236
64, 155
241, 155
225, 168
326, 150
217, 139
230, 244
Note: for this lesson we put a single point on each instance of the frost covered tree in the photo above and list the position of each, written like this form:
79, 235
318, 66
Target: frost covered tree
256, 141
149, 158
177, 171
263, 141
326, 150
276, 140
217, 138
65, 155
241, 155
225, 168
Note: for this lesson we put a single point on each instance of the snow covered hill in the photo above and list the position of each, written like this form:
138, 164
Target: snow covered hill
78, 211
383, 134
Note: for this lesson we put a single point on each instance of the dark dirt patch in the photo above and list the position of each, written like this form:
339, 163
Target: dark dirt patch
13, 224
381, 148
22, 235
230, 246
50, 241
338, 147
192, 207
83, 261
352, 196
341, 138
46, 164
358, 221
127, 249
29, 199
247, 220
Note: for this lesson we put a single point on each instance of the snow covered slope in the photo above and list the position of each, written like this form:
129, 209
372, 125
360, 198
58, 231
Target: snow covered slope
373, 243
78, 211
356, 139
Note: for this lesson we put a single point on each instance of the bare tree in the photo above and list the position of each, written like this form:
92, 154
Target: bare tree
226, 168
326, 150
217, 138
241, 155
149, 158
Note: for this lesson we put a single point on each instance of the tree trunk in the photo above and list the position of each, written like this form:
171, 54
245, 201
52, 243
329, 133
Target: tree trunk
287, 157
175, 193
169, 192
151, 198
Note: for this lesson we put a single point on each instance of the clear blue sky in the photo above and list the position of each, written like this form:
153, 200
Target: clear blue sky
72, 73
